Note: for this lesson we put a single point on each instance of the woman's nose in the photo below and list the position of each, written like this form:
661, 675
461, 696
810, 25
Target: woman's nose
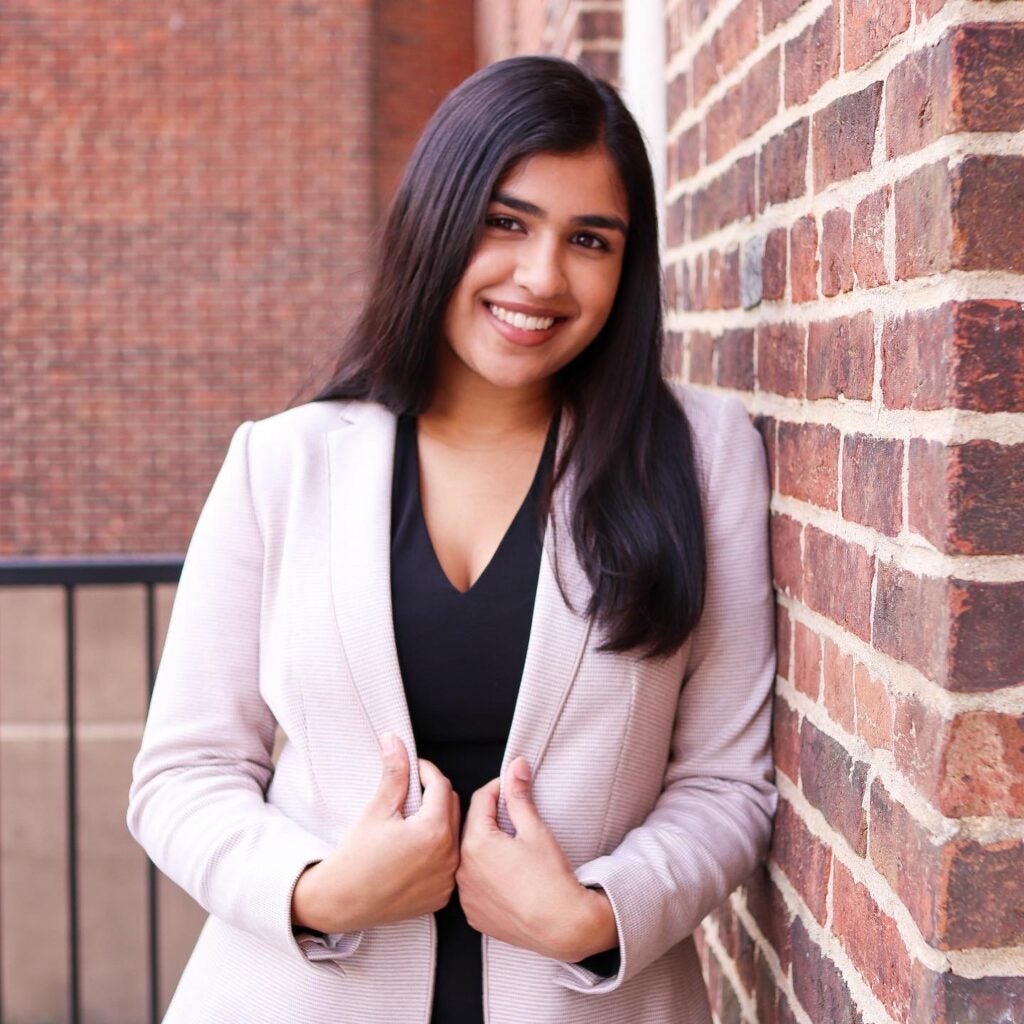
539, 269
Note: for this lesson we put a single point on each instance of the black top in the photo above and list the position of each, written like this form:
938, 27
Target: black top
461, 656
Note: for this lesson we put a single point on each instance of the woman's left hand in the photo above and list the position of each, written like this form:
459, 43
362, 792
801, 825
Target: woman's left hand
522, 889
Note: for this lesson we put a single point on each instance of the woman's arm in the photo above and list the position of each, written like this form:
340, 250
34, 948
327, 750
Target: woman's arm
197, 802
712, 823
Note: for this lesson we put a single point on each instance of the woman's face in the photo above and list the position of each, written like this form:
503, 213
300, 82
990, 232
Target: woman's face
543, 277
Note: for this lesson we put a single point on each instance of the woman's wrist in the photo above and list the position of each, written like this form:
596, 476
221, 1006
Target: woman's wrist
308, 904
595, 930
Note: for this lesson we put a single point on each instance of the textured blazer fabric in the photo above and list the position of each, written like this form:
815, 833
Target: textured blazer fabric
655, 775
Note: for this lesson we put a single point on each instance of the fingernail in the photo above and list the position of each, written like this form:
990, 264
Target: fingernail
520, 769
389, 744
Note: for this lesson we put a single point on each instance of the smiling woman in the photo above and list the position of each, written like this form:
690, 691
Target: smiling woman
544, 274
506, 594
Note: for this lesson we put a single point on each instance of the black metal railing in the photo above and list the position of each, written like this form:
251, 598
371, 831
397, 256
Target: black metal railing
69, 574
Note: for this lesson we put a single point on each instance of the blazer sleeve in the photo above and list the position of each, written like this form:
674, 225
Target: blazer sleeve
197, 802
711, 825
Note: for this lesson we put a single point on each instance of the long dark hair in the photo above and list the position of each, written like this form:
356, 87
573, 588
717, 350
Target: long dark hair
637, 524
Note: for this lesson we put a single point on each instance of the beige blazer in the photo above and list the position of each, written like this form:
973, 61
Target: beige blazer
655, 776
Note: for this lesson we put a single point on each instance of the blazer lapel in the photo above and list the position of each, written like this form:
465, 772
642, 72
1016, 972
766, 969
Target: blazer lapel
361, 453
558, 638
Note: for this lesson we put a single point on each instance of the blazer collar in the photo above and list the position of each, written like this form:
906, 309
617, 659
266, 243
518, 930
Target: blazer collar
360, 455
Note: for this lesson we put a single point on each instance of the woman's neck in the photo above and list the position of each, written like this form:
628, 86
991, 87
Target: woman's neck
470, 413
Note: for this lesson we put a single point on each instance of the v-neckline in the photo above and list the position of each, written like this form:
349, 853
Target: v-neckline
529, 500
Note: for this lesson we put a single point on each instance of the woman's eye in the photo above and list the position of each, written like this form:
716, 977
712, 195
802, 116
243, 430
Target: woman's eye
589, 241
502, 222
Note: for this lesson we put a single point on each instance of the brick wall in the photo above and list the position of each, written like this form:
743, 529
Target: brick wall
845, 237
186, 194
586, 31
845, 233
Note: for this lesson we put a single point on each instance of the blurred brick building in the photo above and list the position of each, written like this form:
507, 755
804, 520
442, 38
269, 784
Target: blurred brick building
186, 195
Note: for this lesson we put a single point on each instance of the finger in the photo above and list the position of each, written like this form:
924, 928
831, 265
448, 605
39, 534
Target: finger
482, 814
519, 798
436, 789
394, 779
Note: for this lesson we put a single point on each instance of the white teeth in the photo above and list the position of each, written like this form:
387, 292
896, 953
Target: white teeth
520, 320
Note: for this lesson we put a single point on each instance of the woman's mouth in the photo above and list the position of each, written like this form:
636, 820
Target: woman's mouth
521, 321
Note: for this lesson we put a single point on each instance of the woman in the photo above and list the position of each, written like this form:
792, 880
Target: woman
506, 596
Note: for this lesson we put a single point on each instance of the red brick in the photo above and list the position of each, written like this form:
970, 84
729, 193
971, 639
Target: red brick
723, 287
835, 783
744, 108
961, 894
948, 998
988, 229
968, 498
761, 92
724, 123
841, 357
702, 347
782, 170
675, 221
737, 37
812, 58
805, 860
870, 28
989, 87
672, 356
806, 660
984, 904
818, 983
728, 198
687, 154
911, 619
959, 633
803, 259
782, 635
777, 11
917, 100
837, 684
698, 291
768, 908
982, 766
988, 340
843, 136
873, 709
808, 459
924, 231
594, 25
917, 359
601, 63
873, 482
766, 994
869, 239
828, 559
773, 266
736, 358
766, 427
786, 562
780, 358
836, 253
677, 99
873, 940
786, 739
705, 71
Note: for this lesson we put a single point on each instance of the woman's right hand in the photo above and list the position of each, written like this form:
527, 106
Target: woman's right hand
387, 868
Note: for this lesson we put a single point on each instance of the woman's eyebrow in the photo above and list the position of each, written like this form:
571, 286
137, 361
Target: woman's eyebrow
586, 220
